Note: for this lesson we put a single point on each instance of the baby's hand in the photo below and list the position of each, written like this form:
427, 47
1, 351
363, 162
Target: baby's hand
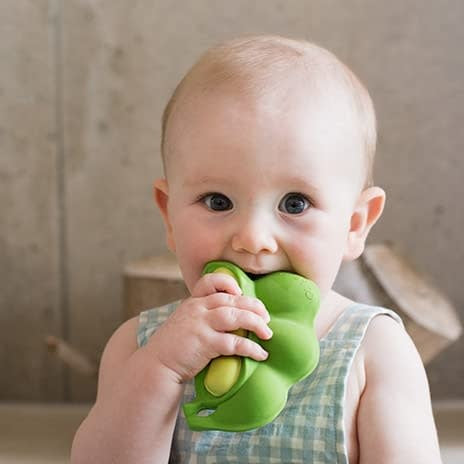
198, 330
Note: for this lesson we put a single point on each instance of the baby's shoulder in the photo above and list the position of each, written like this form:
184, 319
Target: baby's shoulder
389, 357
120, 347
136, 331
123, 341
386, 338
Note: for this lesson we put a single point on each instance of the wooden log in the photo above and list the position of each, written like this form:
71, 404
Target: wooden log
152, 282
382, 277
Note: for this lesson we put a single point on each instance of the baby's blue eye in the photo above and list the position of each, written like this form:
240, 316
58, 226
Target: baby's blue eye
217, 202
294, 203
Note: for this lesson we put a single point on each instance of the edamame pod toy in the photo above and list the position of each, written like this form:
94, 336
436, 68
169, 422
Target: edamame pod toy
238, 393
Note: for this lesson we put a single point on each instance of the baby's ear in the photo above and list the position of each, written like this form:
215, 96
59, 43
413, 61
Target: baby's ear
161, 195
366, 213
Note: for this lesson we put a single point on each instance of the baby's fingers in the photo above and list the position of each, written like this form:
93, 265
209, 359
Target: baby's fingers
240, 302
231, 344
216, 282
227, 319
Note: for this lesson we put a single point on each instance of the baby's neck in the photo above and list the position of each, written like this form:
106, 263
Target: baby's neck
332, 305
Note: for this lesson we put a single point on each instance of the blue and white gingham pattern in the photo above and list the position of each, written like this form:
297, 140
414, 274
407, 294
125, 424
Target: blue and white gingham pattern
310, 429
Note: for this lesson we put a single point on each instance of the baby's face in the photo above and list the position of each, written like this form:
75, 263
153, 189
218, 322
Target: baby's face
268, 187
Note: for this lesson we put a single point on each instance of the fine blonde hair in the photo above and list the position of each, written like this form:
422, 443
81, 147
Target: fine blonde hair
257, 65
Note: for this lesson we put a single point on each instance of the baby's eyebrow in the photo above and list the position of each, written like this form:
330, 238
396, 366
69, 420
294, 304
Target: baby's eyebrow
206, 180
294, 182
301, 182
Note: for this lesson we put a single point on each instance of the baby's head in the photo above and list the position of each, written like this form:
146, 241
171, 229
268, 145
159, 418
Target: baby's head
268, 68
268, 146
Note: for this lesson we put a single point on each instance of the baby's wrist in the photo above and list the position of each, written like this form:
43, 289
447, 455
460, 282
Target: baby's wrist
153, 377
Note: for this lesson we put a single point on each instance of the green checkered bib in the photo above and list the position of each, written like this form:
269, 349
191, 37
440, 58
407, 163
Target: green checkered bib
310, 429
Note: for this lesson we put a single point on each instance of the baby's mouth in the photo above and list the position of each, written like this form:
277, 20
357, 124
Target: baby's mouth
255, 276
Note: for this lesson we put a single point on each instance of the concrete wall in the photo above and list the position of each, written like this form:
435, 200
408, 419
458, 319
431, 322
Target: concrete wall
83, 84
30, 218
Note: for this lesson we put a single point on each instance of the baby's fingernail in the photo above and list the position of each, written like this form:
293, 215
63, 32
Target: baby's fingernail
269, 332
263, 354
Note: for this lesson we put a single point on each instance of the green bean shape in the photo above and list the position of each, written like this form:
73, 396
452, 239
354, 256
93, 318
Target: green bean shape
238, 393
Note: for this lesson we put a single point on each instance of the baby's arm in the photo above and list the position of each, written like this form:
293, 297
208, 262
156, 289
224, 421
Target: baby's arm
139, 390
136, 406
395, 422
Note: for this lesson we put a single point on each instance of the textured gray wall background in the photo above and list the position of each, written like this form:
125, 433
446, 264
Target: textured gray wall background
83, 84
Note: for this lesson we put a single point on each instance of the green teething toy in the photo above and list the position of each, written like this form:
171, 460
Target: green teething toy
239, 393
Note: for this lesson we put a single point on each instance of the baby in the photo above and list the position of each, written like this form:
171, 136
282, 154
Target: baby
268, 146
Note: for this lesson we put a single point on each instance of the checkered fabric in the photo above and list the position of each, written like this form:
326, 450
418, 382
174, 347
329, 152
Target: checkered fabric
310, 429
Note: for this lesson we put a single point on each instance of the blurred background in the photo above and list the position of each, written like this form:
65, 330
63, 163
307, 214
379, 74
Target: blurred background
83, 84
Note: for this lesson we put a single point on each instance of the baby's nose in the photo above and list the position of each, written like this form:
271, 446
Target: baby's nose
254, 236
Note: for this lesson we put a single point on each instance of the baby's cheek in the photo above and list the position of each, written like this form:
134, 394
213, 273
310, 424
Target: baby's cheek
194, 250
318, 263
